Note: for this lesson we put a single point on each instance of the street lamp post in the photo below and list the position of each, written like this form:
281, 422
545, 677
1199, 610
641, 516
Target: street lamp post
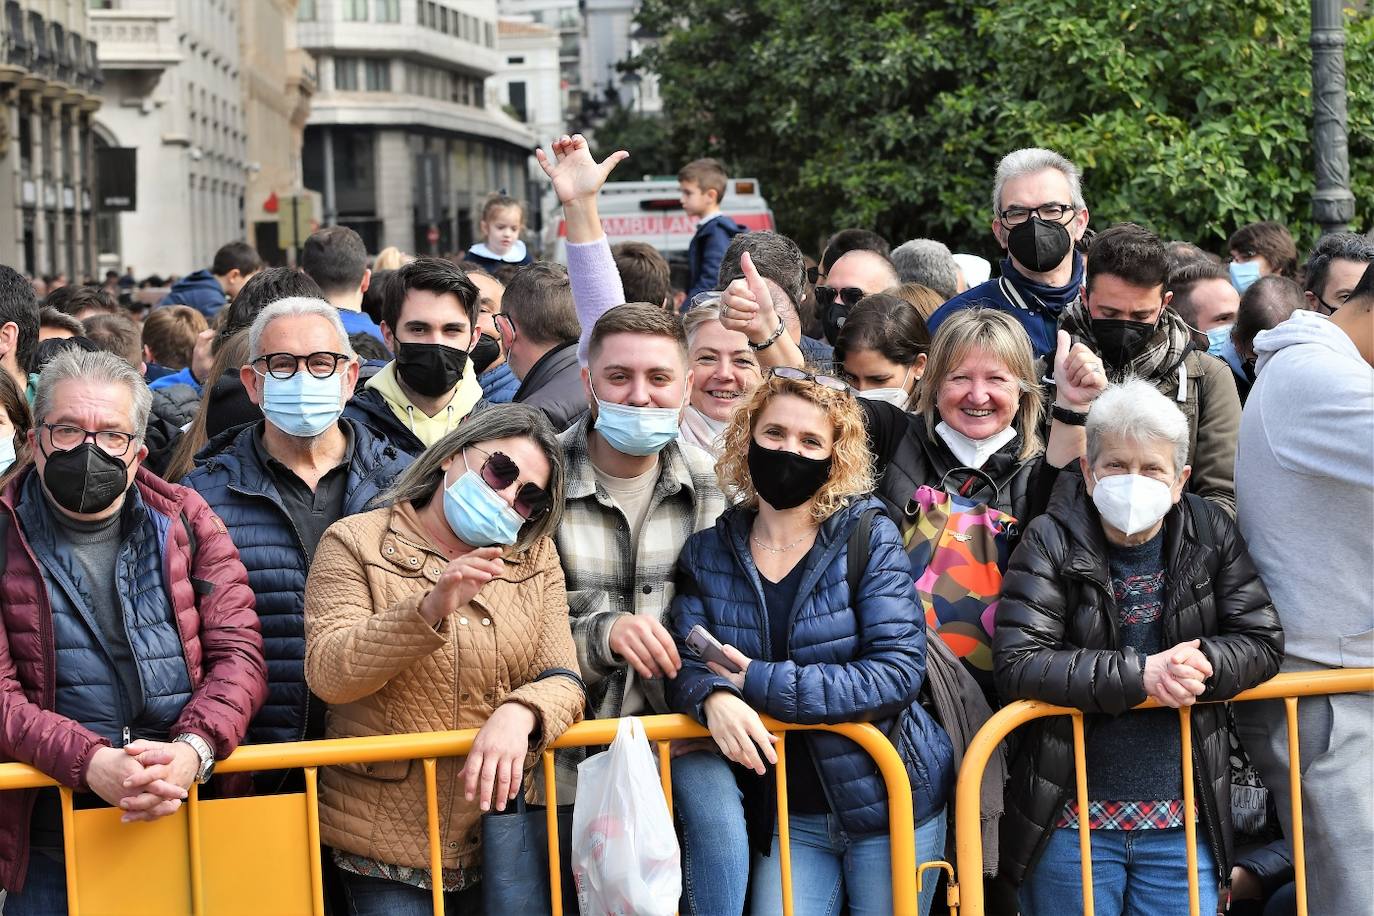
1333, 206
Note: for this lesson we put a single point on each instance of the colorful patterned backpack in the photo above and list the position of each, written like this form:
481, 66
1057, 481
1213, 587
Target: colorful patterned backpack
958, 548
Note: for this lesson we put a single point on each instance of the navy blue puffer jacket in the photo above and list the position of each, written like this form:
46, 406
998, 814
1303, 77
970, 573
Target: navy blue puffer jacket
240, 489
849, 660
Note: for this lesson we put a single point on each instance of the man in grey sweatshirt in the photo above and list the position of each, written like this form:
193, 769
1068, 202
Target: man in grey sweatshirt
1305, 503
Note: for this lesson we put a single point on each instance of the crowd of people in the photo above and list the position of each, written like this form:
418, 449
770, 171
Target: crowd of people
370, 496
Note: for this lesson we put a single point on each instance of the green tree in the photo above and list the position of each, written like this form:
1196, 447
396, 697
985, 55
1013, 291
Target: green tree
1192, 117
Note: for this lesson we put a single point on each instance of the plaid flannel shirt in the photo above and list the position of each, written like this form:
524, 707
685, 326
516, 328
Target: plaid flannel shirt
605, 579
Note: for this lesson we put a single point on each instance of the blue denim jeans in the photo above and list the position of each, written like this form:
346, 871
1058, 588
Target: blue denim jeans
45, 889
1135, 873
830, 868
715, 845
366, 896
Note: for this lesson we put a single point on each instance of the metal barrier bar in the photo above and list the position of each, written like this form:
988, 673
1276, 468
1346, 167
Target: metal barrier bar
551, 826
197, 859
784, 829
1185, 725
429, 746
968, 838
1085, 837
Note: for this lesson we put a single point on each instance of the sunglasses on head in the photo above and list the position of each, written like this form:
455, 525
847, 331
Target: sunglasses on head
849, 295
801, 375
499, 472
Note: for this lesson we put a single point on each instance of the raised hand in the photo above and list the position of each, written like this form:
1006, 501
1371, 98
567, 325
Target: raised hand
747, 306
460, 581
1078, 375
574, 173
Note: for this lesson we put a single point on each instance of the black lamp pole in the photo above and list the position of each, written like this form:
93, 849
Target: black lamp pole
1333, 206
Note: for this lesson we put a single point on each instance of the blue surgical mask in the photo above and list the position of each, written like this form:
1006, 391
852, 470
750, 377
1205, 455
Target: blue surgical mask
478, 515
636, 431
1217, 339
302, 405
7, 455
1243, 274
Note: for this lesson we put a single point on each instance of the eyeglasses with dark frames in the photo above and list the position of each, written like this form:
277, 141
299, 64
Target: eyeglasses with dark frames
65, 437
281, 366
499, 471
801, 375
1050, 213
849, 295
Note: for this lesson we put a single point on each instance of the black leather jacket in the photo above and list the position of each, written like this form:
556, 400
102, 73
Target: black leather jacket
1056, 640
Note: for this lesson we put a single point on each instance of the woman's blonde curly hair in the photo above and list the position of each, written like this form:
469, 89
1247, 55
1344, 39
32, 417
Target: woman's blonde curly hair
851, 469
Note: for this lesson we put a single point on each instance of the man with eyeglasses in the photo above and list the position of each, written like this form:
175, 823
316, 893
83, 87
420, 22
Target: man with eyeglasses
429, 321
1039, 217
130, 656
279, 483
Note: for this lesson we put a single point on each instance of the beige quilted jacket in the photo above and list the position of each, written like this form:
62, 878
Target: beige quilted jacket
383, 670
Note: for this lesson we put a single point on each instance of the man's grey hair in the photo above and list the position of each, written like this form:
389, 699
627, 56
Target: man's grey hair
291, 307
102, 368
1029, 161
929, 263
1134, 410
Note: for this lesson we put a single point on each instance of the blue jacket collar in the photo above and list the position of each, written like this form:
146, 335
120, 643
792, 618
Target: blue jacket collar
1054, 298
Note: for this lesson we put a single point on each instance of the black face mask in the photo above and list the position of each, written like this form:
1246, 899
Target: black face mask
487, 351
430, 369
1038, 244
85, 479
1120, 340
785, 480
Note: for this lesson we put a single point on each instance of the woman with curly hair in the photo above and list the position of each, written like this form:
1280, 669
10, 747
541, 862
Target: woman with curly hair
770, 581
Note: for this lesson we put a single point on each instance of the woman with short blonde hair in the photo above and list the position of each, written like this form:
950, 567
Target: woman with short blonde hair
725, 371
771, 582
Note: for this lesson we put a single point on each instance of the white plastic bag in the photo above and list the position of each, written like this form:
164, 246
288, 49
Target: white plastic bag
624, 848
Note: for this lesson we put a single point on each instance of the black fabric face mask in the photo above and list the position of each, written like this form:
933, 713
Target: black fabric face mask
430, 369
785, 480
1038, 244
1120, 341
85, 479
487, 351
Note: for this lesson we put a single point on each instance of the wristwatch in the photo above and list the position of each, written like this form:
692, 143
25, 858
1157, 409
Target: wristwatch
772, 338
203, 751
1067, 416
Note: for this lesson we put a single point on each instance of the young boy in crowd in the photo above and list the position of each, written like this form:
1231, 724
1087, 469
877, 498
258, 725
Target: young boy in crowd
701, 185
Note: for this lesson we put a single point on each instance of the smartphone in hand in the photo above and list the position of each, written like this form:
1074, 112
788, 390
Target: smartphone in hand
709, 649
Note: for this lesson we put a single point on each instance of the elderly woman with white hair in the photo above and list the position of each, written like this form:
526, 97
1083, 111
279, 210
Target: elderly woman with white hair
725, 372
1127, 589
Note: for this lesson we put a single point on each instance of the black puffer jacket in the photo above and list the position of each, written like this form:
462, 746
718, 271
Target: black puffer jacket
1057, 641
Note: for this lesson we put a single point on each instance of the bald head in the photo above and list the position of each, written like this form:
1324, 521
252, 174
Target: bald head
867, 270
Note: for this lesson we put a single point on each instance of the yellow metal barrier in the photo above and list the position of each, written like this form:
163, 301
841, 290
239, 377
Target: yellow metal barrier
969, 841
107, 861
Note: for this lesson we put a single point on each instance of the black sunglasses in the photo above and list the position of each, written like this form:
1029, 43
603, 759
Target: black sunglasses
499, 472
849, 295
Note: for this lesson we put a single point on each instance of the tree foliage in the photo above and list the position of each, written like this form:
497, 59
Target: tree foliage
1192, 117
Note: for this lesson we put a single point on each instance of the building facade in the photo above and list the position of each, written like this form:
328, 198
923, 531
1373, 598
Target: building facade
564, 17
50, 82
173, 94
403, 141
610, 37
528, 85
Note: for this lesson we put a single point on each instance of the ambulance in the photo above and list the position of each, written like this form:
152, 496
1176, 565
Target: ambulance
650, 211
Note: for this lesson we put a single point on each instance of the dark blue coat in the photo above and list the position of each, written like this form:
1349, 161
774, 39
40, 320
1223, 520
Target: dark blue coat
1038, 308
200, 290
234, 481
848, 660
706, 251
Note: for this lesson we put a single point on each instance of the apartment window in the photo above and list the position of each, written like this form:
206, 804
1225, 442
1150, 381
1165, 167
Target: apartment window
355, 10
346, 74
378, 75
517, 100
514, 61
388, 10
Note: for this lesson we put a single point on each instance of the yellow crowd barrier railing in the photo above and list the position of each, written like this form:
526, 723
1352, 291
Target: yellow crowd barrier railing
261, 854
969, 841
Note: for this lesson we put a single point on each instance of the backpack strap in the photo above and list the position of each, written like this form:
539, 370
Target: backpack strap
856, 554
199, 586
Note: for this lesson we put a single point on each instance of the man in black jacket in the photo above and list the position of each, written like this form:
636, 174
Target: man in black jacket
539, 331
1126, 590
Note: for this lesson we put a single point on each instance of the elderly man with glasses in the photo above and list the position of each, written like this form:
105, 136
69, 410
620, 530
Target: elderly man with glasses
1039, 217
130, 656
280, 482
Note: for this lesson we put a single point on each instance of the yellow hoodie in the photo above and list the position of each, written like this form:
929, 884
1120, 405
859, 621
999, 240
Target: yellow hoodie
427, 429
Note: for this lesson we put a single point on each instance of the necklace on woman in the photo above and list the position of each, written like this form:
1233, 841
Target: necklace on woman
783, 549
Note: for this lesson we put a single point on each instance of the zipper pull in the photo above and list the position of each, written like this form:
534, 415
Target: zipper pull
126, 736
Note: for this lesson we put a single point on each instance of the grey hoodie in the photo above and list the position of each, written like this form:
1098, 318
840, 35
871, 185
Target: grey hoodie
1305, 489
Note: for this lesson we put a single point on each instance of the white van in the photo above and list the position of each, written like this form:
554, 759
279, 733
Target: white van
650, 211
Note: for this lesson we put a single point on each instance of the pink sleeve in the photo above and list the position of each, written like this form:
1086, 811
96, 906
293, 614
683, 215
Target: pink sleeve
596, 286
